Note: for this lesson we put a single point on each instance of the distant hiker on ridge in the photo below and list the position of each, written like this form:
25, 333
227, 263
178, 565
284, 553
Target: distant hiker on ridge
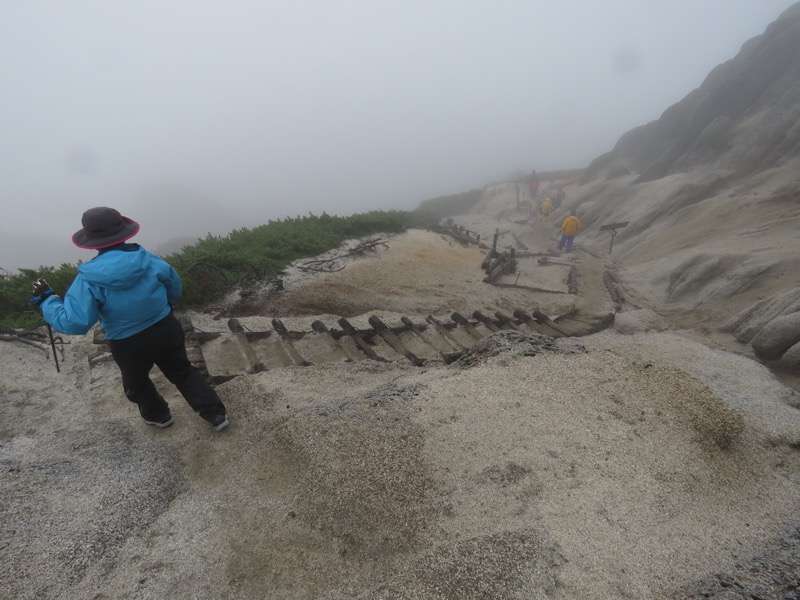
131, 291
544, 208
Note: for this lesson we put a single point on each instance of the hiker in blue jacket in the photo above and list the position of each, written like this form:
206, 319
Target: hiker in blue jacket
131, 291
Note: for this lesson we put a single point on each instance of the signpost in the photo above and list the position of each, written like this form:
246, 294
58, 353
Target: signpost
612, 228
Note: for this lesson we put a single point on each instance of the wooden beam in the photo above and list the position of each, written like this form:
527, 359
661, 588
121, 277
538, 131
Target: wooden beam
331, 341
506, 321
288, 346
537, 327
394, 341
461, 320
488, 323
447, 357
445, 333
240, 336
360, 342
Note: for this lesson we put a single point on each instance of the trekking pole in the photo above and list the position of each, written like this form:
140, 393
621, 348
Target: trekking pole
53, 346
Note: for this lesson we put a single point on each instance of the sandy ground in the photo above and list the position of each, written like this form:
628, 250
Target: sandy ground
634, 463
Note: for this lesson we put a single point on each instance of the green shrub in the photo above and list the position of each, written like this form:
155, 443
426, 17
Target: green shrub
216, 265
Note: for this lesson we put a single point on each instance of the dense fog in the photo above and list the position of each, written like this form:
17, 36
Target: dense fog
202, 116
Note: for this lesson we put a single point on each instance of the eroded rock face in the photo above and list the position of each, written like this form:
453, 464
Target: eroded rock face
772, 328
743, 117
777, 336
746, 324
790, 361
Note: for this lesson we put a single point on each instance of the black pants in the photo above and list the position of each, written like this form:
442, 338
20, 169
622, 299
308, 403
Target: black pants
163, 345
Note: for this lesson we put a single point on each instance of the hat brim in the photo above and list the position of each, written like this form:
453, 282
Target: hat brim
82, 240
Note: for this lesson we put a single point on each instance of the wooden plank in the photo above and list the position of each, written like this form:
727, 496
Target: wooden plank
288, 346
528, 287
506, 321
240, 336
461, 320
360, 342
394, 341
445, 333
545, 320
487, 322
331, 341
537, 327
447, 357
572, 280
193, 346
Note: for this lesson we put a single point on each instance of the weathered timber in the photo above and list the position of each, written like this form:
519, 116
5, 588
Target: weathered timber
545, 261
193, 350
506, 322
462, 320
488, 323
537, 327
394, 341
572, 280
360, 342
447, 357
256, 366
288, 346
331, 341
533, 254
498, 268
604, 323
461, 234
445, 333
528, 287
545, 320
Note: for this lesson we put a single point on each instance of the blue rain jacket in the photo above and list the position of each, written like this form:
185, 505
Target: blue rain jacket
128, 289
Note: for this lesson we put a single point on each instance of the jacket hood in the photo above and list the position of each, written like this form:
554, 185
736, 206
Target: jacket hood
115, 269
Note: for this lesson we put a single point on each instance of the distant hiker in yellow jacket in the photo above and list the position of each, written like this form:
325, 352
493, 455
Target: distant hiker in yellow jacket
544, 208
569, 229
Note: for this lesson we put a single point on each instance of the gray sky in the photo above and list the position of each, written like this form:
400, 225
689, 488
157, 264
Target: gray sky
196, 116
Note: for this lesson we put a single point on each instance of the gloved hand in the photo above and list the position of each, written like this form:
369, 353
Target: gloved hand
41, 291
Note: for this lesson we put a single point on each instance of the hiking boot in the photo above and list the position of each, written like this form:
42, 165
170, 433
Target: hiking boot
162, 422
219, 422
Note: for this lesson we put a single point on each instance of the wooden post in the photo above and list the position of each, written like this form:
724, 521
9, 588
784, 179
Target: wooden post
288, 346
461, 320
540, 328
447, 357
544, 319
443, 331
488, 323
394, 341
237, 330
505, 320
193, 350
360, 342
332, 342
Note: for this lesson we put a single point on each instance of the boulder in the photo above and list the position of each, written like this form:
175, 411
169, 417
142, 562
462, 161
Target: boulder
746, 324
790, 361
777, 336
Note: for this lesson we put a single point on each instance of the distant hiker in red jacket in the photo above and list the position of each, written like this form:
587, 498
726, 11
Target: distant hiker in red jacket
533, 184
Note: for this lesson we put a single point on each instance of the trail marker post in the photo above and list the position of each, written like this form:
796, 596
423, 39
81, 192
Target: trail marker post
612, 229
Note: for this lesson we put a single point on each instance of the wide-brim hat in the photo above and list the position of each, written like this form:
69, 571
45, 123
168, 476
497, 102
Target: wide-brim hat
104, 227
